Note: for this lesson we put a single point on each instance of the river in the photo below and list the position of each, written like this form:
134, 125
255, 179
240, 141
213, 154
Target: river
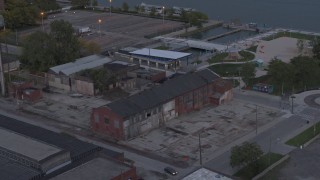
294, 14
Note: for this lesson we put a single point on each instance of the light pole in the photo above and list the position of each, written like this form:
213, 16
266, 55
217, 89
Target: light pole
99, 22
110, 1
256, 119
292, 97
200, 150
42, 13
162, 14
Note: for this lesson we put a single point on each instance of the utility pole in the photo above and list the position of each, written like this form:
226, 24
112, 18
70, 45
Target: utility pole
3, 89
200, 149
256, 119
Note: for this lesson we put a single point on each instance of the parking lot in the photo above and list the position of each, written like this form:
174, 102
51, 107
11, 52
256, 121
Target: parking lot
217, 127
117, 30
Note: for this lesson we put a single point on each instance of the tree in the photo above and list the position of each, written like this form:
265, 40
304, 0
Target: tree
136, 8
282, 74
316, 50
125, 7
19, 13
46, 5
306, 72
42, 51
142, 9
153, 11
245, 154
300, 45
101, 78
38, 52
248, 72
67, 44
81, 3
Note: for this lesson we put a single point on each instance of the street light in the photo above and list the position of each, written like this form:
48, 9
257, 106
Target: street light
162, 14
99, 22
110, 1
42, 13
292, 97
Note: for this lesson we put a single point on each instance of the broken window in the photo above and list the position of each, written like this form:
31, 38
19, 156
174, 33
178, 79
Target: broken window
106, 120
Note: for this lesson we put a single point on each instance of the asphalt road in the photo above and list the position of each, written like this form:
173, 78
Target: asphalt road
274, 137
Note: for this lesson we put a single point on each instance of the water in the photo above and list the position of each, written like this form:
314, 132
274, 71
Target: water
209, 33
296, 14
234, 37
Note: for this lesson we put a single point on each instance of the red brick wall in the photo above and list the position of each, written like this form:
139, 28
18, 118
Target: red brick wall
102, 127
35, 96
193, 100
128, 174
158, 77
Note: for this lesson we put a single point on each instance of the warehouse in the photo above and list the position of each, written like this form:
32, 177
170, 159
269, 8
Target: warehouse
129, 117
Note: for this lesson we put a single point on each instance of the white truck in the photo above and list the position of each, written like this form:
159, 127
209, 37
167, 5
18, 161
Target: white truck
83, 30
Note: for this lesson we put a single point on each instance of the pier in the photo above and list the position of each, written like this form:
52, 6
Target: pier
222, 35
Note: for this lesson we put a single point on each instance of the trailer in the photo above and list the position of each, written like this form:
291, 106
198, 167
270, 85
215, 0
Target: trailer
83, 30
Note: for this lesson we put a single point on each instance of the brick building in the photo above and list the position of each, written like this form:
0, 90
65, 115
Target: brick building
127, 118
25, 91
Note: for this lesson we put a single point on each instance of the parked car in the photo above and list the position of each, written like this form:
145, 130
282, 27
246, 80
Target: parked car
170, 170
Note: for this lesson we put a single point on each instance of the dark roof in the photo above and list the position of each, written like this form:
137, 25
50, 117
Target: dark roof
77, 148
11, 170
115, 67
161, 94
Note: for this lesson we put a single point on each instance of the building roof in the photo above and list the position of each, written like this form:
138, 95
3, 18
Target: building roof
76, 147
160, 53
205, 174
11, 170
31, 148
88, 62
160, 94
98, 169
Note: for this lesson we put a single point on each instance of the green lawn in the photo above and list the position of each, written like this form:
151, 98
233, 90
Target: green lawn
218, 58
255, 168
293, 35
305, 136
252, 48
246, 56
226, 69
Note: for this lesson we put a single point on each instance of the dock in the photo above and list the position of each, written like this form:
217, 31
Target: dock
222, 35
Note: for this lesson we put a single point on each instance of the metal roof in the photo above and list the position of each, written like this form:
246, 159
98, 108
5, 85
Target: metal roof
160, 94
81, 64
205, 174
31, 148
76, 147
89, 65
160, 53
11, 170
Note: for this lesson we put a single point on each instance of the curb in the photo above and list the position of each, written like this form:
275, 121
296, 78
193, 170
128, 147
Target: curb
271, 167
